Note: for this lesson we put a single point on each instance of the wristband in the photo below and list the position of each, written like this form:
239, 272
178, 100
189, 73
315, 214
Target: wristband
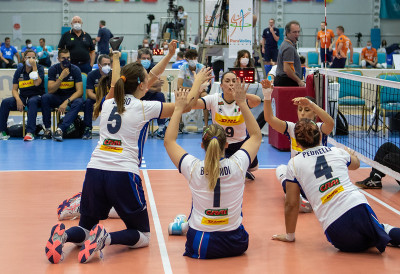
267, 92
290, 237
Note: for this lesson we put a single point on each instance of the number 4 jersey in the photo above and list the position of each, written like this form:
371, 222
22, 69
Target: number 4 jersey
323, 175
228, 116
122, 137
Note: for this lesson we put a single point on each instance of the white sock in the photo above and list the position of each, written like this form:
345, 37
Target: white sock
143, 240
387, 228
108, 240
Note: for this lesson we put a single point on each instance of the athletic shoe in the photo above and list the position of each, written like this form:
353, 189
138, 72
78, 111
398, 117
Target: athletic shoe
55, 244
4, 136
96, 242
370, 183
87, 134
160, 134
250, 176
252, 169
69, 208
29, 137
58, 135
47, 134
304, 206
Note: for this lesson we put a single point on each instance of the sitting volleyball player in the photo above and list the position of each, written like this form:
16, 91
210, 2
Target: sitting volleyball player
216, 183
306, 108
348, 221
227, 113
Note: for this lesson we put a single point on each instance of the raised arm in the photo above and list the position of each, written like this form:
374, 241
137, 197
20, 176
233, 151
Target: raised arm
252, 145
269, 117
116, 73
160, 67
174, 150
253, 100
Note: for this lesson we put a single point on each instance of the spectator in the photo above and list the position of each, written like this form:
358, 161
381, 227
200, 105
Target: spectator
182, 46
145, 44
179, 60
103, 38
388, 155
383, 46
154, 93
44, 53
269, 43
288, 71
243, 60
326, 42
343, 44
65, 89
28, 79
80, 46
104, 64
164, 46
8, 52
369, 57
28, 45
303, 67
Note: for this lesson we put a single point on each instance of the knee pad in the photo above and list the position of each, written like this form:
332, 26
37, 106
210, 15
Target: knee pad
144, 240
281, 173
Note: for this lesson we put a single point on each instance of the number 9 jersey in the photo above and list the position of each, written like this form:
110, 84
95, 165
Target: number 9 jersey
227, 115
122, 137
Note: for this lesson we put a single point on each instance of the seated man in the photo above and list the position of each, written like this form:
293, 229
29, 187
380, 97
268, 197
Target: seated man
154, 93
8, 52
44, 53
104, 64
65, 88
29, 79
179, 60
145, 44
369, 57
28, 45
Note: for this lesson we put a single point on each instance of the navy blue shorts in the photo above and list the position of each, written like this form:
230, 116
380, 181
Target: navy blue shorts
328, 55
357, 230
271, 53
213, 245
234, 147
122, 190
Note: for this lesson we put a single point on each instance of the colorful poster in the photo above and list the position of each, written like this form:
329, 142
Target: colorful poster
240, 26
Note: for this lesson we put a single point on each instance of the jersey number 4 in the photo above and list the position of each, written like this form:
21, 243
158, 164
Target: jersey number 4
322, 168
114, 121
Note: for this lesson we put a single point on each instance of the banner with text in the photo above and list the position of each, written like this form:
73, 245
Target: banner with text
210, 12
240, 26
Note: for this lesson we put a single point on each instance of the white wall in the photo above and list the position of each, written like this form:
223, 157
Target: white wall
43, 18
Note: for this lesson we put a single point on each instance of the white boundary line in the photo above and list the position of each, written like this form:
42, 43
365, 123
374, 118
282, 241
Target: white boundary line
380, 202
157, 225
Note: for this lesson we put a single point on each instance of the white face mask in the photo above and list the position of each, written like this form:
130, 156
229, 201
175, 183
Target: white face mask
146, 45
77, 26
192, 63
29, 45
165, 47
244, 61
27, 63
106, 69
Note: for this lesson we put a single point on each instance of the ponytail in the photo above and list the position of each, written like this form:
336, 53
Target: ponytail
119, 95
101, 92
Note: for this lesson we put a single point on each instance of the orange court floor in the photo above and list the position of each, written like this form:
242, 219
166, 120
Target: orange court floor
29, 200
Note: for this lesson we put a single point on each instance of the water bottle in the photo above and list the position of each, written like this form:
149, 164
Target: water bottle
221, 73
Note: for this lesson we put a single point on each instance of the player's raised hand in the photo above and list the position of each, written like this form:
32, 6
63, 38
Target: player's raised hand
267, 89
181, 99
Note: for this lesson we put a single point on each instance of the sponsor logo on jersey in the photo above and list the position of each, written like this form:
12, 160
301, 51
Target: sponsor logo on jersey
331, 194
295, 147
112, 142
229, 120
112, 149
208, 221
111, 145
67, 85
216, 212
331, 183
25, 84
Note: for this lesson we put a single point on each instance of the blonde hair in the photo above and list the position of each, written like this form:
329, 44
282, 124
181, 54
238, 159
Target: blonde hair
214, 140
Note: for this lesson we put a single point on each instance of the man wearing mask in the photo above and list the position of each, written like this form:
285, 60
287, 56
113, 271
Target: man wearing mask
103, 37
29, 45
145, 44
154, 93
182, 46
369, 57
104, 63
64, 88
80, 45
288, 70
8, 52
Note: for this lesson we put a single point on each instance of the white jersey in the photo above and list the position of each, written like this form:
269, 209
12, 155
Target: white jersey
221, 209
323, 175
294, 148
122, 137
228, 116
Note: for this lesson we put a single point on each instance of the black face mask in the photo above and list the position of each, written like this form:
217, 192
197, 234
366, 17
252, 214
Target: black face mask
66, 63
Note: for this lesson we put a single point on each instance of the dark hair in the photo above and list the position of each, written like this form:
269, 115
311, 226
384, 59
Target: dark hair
312, 99
289, 25
240, 54
341, 28
7, 38
225, 73
272, 19
307, 133
102, 90
324, 23
302, 59
134, 74
191, 54
29, 50
180, 54
102, 22
384, 43
28, 41
101, 57
62, 51
42, 39
144, 51
214, 140
181, 8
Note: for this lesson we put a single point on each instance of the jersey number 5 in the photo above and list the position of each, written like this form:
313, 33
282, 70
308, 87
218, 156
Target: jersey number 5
113, 127
322, 168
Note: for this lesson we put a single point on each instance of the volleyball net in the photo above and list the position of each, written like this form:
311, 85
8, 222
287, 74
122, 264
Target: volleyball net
366, 111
